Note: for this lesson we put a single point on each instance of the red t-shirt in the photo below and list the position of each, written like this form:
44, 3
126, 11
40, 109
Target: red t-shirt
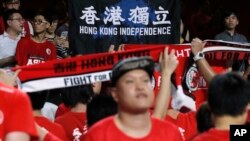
52, 127
62, 109
74, 124
186, 123
213, 135
106, 130
15, 112
51, 137
29, 52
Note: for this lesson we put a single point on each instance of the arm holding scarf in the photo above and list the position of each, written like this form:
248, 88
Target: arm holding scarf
197, 46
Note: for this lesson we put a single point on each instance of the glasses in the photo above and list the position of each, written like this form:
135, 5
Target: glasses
38, 22
18, 19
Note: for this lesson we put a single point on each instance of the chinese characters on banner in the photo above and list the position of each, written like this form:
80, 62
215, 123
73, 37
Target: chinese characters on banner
97, 24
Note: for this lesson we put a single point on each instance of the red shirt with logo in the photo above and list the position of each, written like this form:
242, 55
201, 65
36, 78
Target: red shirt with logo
29, 52
74, 124
186, 123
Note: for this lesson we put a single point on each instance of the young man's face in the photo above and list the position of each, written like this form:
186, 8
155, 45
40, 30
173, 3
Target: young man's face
231, 22
16, 22
134, 92
40, 25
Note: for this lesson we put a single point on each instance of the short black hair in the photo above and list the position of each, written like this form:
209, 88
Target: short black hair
46, 13
228, 12
100, 106
38, 99
77, 94
204, 118
8, 14
228, 94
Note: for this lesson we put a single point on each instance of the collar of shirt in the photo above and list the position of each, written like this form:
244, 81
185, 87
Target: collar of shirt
6, 35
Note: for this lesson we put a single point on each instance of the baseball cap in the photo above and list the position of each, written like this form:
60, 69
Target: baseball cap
123, 66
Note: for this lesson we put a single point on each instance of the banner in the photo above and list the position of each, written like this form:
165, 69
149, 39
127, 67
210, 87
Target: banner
96, 24
90, 68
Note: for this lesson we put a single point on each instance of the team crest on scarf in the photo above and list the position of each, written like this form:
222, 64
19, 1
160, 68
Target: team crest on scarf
192, 78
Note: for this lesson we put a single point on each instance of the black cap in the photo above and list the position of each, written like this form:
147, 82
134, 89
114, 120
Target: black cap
146, 63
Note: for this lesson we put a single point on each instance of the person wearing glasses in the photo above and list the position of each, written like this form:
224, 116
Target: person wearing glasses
36, 49
15, 4
8, 40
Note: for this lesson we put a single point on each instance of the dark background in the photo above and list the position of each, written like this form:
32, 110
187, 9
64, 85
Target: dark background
204, 26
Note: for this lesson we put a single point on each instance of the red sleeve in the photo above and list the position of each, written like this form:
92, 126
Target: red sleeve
20, 117
62, 109
2, 26
187, 121
20, 53
51, 137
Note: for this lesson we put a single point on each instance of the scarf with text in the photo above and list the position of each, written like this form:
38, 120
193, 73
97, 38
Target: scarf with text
90, 68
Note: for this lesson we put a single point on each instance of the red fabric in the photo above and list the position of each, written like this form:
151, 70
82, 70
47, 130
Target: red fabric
187, 123
50, 137
26, 27
2, 26
29, 52
213, 135
201, 93
62, 109
15, 112
74, 124
248, 117
106, 130
52, 127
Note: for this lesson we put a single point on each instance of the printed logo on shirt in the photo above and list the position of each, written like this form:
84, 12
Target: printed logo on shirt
48, 51
1, 118
32, 61
182, 131
76, 134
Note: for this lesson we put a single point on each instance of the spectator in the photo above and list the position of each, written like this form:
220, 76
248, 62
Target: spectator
228, 104
17, 121
131, 80
204, 118
38, 99
36, 49
8, 40
231, 21
101, 106
27, 29
74, 121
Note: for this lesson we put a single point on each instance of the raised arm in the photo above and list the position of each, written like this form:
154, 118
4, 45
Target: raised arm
168, 63
204, 68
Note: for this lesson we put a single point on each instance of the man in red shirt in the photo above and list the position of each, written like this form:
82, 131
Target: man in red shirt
74, 121
132, 90
36, 49
228, 99
37, 100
